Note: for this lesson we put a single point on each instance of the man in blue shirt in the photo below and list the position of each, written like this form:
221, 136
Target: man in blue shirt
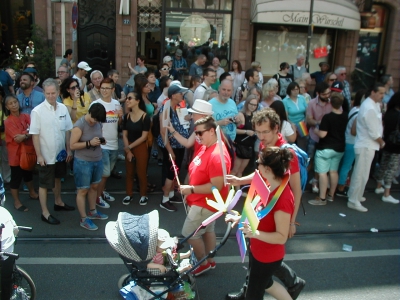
7, 82
320, 75
387, 80
225, 109
179, 64
29, 98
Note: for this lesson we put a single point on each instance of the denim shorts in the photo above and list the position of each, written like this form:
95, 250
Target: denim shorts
87, 173
109, 159
327, 160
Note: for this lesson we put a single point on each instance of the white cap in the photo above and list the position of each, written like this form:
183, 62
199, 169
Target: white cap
84, 65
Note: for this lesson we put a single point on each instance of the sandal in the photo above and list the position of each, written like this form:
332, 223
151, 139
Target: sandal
22, 208
33, 198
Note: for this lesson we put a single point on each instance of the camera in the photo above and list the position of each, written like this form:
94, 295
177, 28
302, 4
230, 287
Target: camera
233, 119
102, 140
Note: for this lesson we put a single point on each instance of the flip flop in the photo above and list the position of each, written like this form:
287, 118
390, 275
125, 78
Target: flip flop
33, 198
22, 208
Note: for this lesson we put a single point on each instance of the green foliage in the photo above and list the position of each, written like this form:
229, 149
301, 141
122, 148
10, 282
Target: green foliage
43, 58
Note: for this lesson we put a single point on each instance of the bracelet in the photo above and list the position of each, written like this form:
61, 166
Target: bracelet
173, 132
87, 145
192, 189
245, 132
74, 108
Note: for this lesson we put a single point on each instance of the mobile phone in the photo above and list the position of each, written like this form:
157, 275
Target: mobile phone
102, 140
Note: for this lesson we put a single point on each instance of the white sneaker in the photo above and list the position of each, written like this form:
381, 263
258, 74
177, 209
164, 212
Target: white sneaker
106, 196
380, 190
356, 207
362, 199
390, 199
101, 203
394, 181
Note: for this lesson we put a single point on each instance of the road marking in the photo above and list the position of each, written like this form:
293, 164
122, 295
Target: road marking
218, 259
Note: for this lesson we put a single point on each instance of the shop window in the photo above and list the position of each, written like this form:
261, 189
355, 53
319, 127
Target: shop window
198, 33
280, 44
369, 48
200, 4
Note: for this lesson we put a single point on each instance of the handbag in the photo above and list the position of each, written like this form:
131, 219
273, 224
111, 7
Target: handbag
28, 158
243, 151
394, 136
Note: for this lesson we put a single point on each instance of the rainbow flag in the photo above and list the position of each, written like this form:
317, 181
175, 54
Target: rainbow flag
302, 128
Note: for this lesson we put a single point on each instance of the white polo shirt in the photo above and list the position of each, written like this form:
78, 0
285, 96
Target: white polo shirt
51, 126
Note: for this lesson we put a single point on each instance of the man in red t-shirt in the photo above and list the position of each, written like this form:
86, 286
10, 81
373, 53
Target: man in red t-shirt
266, 126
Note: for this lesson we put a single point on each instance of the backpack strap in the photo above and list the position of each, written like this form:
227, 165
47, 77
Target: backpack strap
351, 116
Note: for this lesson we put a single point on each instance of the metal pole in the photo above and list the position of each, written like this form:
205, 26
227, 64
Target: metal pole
310, 32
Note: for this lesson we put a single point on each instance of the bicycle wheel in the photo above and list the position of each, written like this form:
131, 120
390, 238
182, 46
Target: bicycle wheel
22, 279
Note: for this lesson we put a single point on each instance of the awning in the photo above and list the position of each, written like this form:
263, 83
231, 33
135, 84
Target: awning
339, 14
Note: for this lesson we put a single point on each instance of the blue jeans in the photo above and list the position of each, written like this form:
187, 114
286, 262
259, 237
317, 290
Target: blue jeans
346, 163
109, 159
87, 173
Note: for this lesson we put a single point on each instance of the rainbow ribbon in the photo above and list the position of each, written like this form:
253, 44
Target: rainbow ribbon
302, 128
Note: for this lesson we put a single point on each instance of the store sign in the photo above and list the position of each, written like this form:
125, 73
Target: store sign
318, 19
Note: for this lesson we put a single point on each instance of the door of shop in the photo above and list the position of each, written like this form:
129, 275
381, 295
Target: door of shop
96, 34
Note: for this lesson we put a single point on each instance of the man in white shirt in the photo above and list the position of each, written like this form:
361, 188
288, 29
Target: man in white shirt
110, 134
368, 140
83, 69
50, 129
209, 77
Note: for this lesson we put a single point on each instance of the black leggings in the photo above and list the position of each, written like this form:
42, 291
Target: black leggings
260, 277
168, 172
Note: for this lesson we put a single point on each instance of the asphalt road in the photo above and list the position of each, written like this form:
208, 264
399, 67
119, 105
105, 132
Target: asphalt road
69, 262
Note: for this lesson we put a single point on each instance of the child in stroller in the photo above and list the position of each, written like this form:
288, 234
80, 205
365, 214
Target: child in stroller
164, 243
135, 238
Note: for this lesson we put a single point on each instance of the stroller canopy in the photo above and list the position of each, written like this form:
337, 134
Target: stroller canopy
134, 237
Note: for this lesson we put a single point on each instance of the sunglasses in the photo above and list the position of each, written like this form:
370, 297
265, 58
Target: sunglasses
165, 69
26, 101
73, 87
254, 105
200, 132
130, 98
332, 79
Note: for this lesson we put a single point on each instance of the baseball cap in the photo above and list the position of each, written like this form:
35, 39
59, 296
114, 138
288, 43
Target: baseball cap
84, 65
337, 86
175, 89
30, 70
201, 107
178, 52
167, 59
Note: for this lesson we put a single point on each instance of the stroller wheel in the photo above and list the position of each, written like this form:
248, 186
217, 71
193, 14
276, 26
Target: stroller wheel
123, 280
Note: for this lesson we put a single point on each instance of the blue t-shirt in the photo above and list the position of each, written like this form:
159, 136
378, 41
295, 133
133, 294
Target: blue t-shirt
6, 81
29, 103
318, 76
195, 70
296, 111
223, 111
387, 96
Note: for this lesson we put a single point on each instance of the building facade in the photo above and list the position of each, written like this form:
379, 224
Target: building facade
364, 38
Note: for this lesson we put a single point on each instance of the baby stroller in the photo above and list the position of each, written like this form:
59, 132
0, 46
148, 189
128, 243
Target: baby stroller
135, 240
